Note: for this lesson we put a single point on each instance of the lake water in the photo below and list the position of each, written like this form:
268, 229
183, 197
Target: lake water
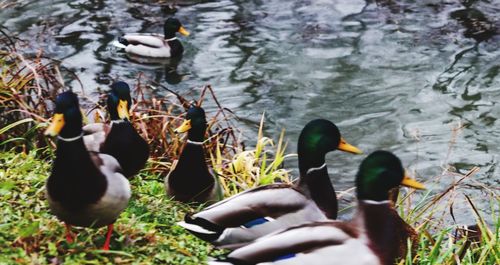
395, 75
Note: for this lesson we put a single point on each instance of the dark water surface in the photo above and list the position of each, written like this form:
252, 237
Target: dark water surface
396, 75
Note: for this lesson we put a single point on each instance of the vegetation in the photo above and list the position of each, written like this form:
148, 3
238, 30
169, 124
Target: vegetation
146, 232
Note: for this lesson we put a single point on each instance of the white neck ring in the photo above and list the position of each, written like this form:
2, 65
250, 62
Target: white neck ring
316, 168
72, 139
194, 142
376, 202
117, 121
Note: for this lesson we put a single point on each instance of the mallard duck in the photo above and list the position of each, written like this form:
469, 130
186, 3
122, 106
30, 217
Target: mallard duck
244, 217
85, 188
374, 236
118, 139
155, 45
191, 180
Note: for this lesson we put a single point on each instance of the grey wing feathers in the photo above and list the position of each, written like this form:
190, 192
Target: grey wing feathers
300, 239
271, 201
148, 40
95, 135
281, 204
94, 128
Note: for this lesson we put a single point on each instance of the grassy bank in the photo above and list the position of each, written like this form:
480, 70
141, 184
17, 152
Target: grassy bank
146, 232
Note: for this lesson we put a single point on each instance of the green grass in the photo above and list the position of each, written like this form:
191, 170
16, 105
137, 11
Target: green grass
144, 234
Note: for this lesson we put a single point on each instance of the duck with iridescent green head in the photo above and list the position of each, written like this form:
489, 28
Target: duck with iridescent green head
242, 218
376, 235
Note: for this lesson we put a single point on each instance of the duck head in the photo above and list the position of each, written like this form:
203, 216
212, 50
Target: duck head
195, 124
119, 101
67, 119
380, 172
317, 139
172, 26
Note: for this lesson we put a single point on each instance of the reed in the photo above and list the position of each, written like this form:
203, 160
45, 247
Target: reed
26, 84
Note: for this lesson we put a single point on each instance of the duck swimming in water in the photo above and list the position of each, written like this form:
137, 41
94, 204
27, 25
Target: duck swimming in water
155, 45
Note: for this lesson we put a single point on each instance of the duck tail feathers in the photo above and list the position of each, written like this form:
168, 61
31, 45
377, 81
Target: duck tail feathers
121, 43
202, 228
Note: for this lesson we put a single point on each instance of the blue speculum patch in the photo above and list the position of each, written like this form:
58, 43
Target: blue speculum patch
287, 256
256, 222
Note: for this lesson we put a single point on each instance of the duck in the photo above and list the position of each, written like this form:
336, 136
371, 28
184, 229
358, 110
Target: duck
375, 235
85, 188
119, 138
191, 180
155, 45
242, 218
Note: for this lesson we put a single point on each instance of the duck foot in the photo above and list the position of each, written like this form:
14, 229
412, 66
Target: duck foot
69, 235
108, 237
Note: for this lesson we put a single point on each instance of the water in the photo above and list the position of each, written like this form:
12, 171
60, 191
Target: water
395, 75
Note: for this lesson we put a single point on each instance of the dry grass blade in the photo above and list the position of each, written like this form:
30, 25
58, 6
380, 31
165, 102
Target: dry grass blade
27, 87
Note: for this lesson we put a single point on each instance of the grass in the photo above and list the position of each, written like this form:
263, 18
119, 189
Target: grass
442, 243
145, 233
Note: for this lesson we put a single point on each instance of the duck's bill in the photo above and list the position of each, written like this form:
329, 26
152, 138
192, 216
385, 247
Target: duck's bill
123, 110
183, 31
412, 183
185, 126
56, 125
346, 147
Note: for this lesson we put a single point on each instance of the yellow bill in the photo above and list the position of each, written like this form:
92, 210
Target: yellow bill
123, 109
185, 126
183, 31
411, 183
346, 147
56, 125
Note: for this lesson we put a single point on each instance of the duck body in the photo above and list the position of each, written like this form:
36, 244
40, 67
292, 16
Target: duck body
155, 45
190, 180
246, 216
127, 146
118, 139
84, 188
151, 45
121, 141
368, 239
374, 236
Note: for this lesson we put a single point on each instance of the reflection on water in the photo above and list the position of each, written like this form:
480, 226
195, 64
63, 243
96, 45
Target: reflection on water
476, 23
396, 75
